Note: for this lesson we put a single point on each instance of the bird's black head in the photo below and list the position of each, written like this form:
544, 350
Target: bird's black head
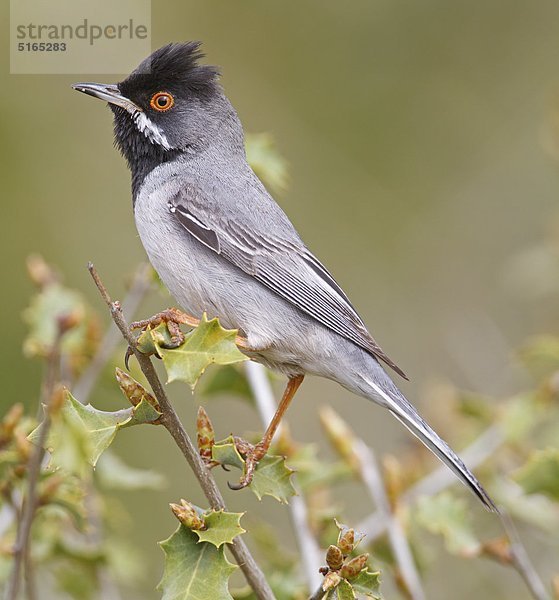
169, 106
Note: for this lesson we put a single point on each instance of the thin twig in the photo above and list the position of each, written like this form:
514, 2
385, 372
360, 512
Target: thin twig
140, 286
172, 423
82, 390
21, 549
308, 546
521, 561
318, 594
441, 478
438, 480
370, 475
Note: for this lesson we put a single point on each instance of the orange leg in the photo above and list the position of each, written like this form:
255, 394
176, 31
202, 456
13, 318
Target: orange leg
252, 453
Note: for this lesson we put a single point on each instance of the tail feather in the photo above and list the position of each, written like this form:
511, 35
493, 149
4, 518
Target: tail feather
399, 406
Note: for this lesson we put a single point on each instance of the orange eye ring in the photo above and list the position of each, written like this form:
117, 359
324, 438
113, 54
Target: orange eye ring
162, 101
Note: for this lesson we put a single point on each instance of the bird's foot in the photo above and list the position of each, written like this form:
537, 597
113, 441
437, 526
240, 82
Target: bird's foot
173, 319
252, 455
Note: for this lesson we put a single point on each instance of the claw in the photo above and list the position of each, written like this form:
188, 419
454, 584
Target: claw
236, 486
129, 353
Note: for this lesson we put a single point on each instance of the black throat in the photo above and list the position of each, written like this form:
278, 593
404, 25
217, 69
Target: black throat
141, 155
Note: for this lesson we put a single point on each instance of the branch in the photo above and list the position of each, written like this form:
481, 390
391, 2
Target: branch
309, 549
171, 422
140, 286
441, 478
82, 390
21, 548
372, 479
319, 594
520, 560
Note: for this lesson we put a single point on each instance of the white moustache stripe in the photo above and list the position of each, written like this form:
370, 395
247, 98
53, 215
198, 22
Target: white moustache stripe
150, 130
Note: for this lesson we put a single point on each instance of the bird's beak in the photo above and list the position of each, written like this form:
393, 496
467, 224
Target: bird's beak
107, 92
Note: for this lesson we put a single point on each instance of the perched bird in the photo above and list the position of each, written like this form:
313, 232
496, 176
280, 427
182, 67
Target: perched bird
222, 245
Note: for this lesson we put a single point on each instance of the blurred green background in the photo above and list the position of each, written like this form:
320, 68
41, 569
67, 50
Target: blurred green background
423, 173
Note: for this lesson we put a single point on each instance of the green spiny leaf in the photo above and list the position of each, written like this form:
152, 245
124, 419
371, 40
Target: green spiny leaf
52, 303
448, 516
343, 591
149, 340
193, 569
221, 527
144, 412
271, 478
368, 583
207, 344
540, 474
226, 453
80, 433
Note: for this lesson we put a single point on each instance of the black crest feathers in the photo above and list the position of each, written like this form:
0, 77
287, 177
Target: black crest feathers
175, 64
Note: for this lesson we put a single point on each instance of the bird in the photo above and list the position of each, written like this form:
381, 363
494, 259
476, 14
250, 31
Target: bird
223, 246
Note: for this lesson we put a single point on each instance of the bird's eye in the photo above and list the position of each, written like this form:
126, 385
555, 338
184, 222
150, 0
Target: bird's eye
162, 101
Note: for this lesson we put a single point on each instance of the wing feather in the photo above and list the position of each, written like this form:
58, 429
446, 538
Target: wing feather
286, 267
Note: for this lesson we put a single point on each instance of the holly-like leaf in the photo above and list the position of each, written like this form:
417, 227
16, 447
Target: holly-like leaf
194, 569
271, 478
540, 475
207, 344
221, 527
343, 591
368, 583
80, 433
53, 304
144, 412
448, 516
150, 340
226, 453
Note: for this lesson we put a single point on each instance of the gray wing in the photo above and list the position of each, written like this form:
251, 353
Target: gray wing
281, 263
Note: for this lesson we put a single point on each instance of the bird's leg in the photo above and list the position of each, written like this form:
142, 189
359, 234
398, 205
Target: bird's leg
254, 453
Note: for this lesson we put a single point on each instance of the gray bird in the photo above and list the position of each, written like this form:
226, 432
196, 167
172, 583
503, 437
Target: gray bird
222, 245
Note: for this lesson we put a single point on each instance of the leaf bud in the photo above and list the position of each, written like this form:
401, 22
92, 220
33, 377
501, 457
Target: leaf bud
188, 515
334, 557
351, 569
56, 401
346, 540
331, 581
205, 435
133, 390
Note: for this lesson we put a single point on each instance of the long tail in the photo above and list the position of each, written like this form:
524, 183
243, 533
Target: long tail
399, 406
